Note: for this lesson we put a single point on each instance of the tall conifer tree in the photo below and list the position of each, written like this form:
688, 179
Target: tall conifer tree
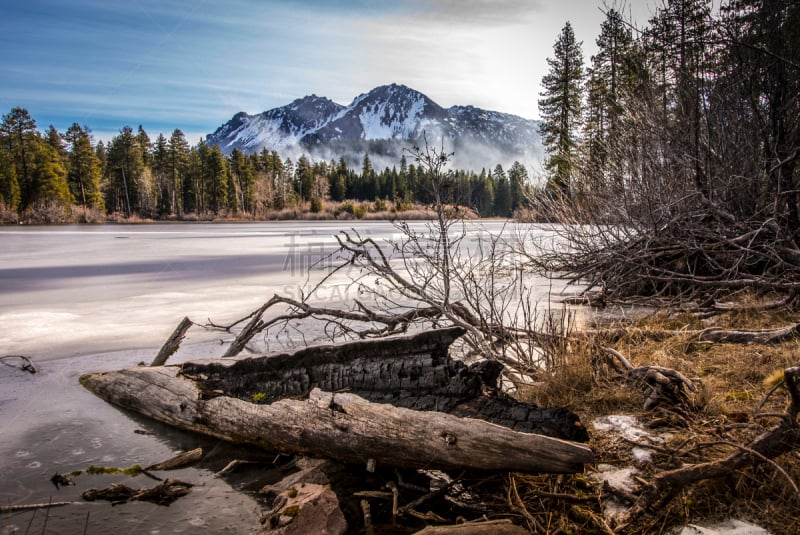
84, 170
560, 110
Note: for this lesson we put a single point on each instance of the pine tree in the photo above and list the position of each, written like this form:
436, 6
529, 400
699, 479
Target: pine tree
18, 131
37, 164
124, 168
762, 70
84, 171
145, 147
560, 110
242, 174
160, 170
56, 141
180, 187
49, 177
681, 38
304, 183
338, 183
368, 179
502, 197
9, 186
517, 182
210, 176
609, 72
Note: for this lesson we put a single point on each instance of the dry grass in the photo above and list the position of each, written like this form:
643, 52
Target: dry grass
733, 384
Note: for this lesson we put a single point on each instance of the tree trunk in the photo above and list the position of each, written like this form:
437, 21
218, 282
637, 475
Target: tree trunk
342, 426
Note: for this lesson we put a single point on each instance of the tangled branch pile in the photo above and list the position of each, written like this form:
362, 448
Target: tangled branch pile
692, 253
687, 184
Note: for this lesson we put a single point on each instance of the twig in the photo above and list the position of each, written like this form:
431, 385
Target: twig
625, 362
751, 451
28, 365
178, 461
231, 466
516, 504
34, 506
422, 499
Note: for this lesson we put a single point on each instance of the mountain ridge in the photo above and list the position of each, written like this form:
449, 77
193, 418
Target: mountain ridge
383, 122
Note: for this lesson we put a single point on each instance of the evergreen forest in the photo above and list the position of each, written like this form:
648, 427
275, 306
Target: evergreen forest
54, 177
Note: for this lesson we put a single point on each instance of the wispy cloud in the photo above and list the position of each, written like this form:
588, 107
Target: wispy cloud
479, 12
193, 64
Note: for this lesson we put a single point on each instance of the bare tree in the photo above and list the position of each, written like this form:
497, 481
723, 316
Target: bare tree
443, 272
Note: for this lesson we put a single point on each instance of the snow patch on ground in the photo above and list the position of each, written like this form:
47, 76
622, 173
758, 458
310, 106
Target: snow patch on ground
622, 478
729, 527
629, 428
617, 478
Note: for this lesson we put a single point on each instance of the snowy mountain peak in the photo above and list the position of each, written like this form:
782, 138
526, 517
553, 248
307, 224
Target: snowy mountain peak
385, 119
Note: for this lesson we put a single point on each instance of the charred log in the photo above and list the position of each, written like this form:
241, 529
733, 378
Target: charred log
413, 372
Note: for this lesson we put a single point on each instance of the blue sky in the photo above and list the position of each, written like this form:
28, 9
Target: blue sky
192, 65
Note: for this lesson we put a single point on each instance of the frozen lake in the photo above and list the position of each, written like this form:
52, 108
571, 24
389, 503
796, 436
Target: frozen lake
90, 298
67, 291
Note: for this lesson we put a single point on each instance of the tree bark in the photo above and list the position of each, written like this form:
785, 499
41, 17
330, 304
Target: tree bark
341, 426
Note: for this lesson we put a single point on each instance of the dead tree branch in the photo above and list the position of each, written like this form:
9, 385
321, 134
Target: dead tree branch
661, 385
26, 365
173, 342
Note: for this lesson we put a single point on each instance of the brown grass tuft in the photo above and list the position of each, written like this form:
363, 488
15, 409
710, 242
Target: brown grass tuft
733, 383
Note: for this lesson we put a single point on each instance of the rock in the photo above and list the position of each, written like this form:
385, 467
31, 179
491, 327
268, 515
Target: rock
304, 503
306, 508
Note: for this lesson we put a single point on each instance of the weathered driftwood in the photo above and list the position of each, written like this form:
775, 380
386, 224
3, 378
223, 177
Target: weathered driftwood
32, 506
218, 399
342, 426
173, 342
164, 493
769, 336
178, 461
661, 385
25, 363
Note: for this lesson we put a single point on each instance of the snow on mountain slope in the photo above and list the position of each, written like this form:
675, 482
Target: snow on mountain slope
393, 116
276, 129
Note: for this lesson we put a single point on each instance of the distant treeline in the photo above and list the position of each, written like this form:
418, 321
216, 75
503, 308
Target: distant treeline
64, 176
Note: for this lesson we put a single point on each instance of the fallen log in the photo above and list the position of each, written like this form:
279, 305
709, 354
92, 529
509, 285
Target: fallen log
299, 416
412, 371
768, 336
342, 426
